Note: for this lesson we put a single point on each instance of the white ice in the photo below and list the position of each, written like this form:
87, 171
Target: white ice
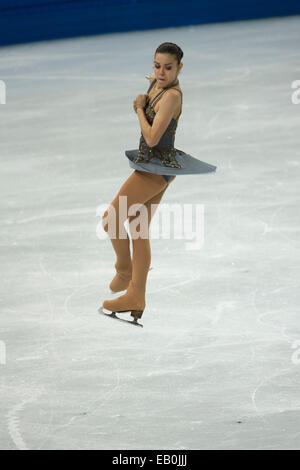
217, 364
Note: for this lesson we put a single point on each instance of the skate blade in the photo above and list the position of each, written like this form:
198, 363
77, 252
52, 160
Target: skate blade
114, 316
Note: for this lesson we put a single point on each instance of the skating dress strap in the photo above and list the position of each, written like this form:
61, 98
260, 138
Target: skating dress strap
174, 85
158, 97
151, 85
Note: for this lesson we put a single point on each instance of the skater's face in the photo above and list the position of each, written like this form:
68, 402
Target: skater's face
165, 69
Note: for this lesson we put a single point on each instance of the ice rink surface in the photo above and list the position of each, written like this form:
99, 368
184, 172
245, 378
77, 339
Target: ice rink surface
217, 364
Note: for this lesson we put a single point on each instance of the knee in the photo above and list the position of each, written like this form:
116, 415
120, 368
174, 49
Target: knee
131, 224
139, 224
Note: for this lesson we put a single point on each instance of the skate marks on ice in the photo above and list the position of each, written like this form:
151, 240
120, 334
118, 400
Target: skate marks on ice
280, 333
13, 420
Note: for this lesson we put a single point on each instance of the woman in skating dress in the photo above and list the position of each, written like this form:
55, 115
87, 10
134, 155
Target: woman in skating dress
156, 164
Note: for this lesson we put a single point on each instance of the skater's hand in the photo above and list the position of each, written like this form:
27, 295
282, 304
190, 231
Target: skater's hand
134, 106
140, 101
150, 77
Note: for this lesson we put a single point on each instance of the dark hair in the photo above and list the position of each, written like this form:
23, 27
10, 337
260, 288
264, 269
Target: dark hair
170, 48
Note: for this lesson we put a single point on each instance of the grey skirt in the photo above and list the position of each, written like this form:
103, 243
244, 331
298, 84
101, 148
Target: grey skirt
189, 165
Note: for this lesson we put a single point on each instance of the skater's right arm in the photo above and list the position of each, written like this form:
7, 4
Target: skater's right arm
150, 78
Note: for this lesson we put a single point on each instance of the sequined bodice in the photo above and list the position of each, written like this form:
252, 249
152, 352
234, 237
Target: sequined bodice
164, 150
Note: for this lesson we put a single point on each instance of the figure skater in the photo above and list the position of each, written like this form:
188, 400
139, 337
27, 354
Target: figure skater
156, 164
